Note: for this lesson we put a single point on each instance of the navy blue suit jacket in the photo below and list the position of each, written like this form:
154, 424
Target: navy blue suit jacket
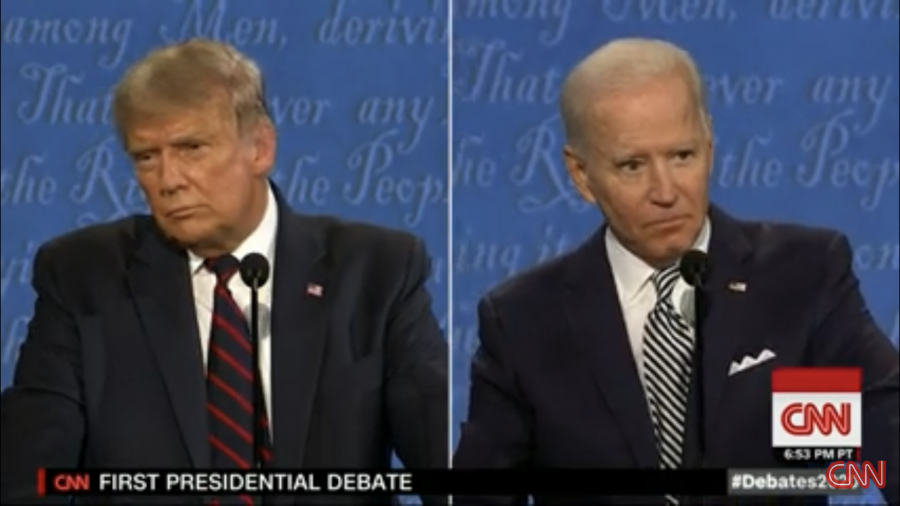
555, 385
110, 374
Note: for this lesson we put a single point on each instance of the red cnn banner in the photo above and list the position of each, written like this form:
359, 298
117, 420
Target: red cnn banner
74, 482
846, 475
817, 413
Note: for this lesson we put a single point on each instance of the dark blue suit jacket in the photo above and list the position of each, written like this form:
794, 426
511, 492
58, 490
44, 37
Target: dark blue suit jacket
111, 376
555, 385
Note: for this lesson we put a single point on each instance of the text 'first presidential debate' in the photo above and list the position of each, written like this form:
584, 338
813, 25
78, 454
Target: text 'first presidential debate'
199, 482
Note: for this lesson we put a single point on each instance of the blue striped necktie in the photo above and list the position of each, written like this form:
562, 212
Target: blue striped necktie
668, 357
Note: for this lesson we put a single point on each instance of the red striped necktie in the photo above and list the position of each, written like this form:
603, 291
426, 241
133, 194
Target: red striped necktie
229, 378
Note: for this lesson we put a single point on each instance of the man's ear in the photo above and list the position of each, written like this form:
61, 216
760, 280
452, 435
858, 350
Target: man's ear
578, 173
264, 145
710, 143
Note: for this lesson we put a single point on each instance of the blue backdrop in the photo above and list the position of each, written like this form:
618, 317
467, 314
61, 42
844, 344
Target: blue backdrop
358, 89
804, 98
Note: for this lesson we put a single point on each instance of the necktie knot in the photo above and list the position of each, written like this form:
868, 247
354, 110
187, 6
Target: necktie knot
664, 281
224, 267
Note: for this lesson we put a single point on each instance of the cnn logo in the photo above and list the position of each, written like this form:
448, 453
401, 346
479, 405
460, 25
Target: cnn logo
847, 475
816, 408
62, 483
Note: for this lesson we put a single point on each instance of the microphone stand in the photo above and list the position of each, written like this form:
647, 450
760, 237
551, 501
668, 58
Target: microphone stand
694, 266
699, 315
258, 429
255, 272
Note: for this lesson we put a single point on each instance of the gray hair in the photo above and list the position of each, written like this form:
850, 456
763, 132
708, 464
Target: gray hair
186, 75
620, 65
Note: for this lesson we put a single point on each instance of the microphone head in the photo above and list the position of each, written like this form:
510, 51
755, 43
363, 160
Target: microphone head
694, 267
254, 270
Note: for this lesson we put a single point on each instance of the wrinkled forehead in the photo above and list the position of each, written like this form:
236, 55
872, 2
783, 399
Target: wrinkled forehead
659, 97
183, 127
161, 121
668, 114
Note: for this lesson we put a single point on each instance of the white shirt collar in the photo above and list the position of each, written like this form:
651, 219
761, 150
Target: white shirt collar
262, 240
630, 272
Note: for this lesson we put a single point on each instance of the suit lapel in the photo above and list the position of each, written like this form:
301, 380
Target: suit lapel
595, 316
729, 251
160, 284
299, 318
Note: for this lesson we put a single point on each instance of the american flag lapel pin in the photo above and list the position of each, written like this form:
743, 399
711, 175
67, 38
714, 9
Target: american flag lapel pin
314, 290
737, 286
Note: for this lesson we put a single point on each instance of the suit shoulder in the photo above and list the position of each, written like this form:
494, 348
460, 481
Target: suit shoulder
366, 246
381, 261
340, 232
94, 243
775, 236
532, 284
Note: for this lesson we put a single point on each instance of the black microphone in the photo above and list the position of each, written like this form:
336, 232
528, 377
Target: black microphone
255, 273
694, 269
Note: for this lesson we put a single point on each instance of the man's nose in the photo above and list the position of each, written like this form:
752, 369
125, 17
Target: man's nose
171, 175
662, 190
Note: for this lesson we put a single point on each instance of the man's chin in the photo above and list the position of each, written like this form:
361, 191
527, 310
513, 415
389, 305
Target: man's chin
190, 239
670, 254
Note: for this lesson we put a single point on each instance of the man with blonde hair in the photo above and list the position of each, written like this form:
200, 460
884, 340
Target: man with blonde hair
590, 360
139, 353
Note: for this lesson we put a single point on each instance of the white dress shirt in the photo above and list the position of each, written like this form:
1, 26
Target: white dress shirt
637, 296
261, 241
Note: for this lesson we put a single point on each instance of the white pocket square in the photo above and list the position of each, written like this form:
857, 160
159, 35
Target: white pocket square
749, 362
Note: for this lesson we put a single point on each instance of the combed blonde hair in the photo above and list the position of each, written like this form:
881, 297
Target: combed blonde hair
188, 75
621, 65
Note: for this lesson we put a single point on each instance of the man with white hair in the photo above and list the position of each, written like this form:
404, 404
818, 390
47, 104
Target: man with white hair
589, 360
